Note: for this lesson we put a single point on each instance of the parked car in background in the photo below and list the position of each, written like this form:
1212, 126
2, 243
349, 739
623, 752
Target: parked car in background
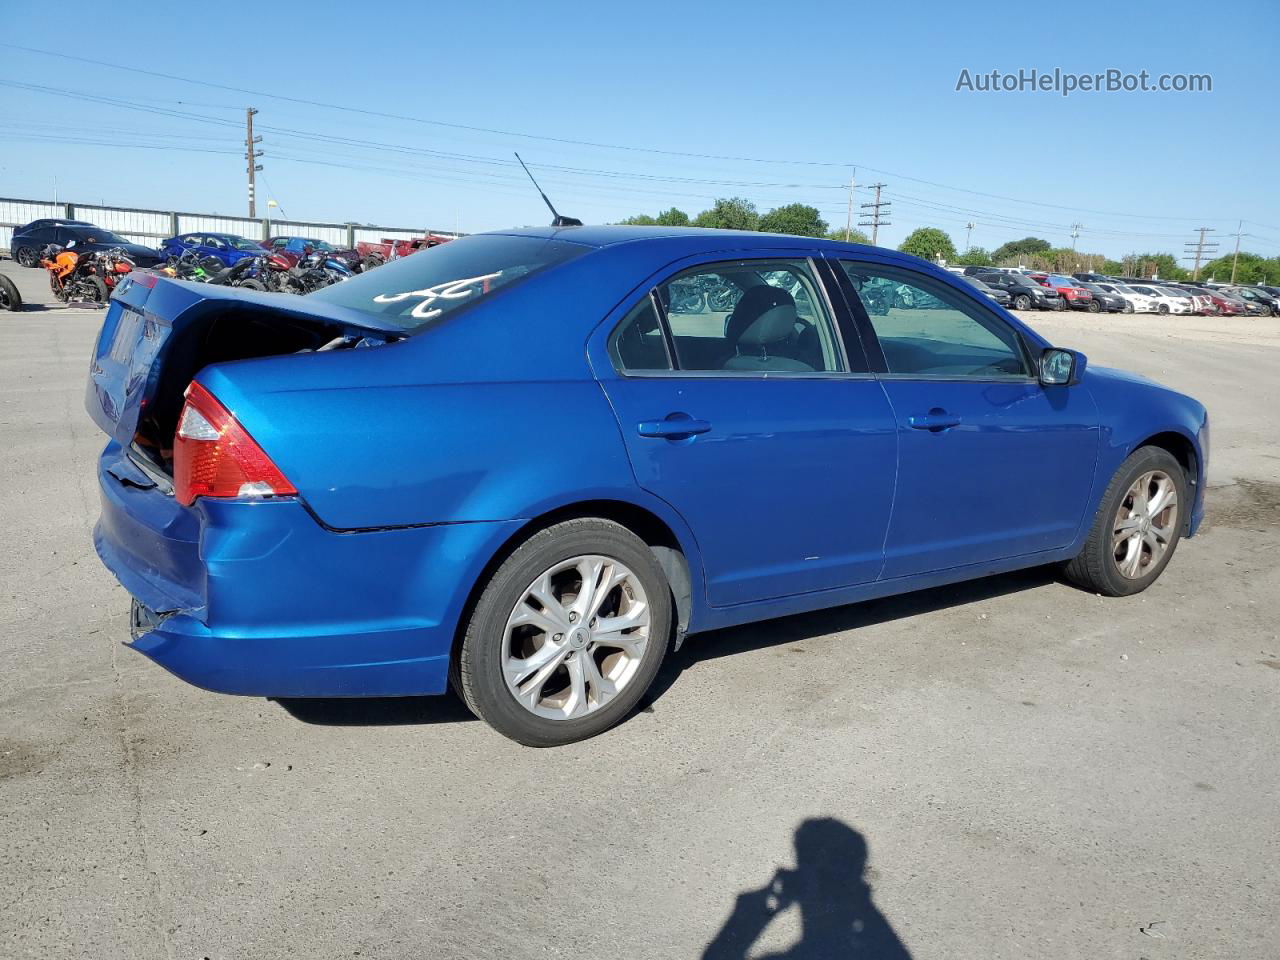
1105, 299
1166, 301
1223, 303
1073, 295
1091, 277
27, 246
1135, 302
1202, 300
997, 294
449, 543
1263, 303
391, 249
227, 248
1024, 293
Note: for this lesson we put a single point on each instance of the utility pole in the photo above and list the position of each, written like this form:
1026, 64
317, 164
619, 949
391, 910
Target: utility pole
848, 220
968, 234
876, 215
1235, 257
1196, 250
1075, 232
251, 155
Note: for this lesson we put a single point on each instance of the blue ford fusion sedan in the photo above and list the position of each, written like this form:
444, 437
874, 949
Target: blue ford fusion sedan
528, 464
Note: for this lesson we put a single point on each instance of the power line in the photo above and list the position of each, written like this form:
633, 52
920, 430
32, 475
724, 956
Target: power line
563, 140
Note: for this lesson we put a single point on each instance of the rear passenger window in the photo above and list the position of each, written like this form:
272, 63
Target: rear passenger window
764, 316
638, 343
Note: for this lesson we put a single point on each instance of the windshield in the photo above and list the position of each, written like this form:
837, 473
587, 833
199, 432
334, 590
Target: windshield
1121, 288
240, 243
1169, 292
1058, 281
412, 292
97, 235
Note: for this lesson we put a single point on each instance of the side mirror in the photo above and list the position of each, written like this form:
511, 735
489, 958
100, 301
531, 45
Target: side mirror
1061, 368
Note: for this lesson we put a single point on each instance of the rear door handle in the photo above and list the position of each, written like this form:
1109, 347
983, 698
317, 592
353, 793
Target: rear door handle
935, 421
675, 427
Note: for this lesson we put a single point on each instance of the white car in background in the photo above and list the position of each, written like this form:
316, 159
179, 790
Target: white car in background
1167, 301
1140, 302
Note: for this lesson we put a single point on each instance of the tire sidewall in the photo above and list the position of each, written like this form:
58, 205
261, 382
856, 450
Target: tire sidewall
1140, 462
481, 650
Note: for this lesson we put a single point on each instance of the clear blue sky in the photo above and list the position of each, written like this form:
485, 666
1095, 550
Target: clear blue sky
833, 85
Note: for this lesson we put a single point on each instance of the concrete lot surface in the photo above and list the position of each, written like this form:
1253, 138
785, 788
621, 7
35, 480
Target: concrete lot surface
1006, 768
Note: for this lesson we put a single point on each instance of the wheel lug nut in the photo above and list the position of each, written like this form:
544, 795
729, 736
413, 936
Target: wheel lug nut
558, 637
573, 617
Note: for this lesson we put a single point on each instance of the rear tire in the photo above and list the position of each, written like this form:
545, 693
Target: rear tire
252, 285
26, 257
100, 292
494, 649
1122, 555
10, 299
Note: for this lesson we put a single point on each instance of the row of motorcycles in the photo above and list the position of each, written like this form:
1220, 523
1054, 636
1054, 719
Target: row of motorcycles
89, 276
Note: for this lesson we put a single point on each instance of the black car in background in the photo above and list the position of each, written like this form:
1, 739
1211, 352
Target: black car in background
1024, 293
1104, 299
27, 243
1257, 297
992, 293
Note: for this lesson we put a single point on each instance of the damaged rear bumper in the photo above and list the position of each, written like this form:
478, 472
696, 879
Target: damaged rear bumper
256, 597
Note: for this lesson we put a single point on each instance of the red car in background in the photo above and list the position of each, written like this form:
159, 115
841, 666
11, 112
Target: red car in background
1224, 305
1073, 296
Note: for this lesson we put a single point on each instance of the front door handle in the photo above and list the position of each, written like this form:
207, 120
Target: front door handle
676, 426
935, 421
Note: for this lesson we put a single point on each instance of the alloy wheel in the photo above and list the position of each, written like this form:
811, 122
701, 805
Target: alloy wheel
25, 257
576, 637
1144, 525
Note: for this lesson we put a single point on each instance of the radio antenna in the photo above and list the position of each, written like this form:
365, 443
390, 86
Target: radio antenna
558, 220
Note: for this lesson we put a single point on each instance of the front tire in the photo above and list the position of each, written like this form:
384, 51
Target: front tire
1163, 309
10, 299
567, 635
1094, 306
1022, 302
1137, 526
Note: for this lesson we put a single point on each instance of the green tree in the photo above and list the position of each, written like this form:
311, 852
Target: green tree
1250, 268
1163, 265
798, 219
639, 220
855, 235
675, 217
1114, 268
1015, 248
929, 243
974, 257
729, 213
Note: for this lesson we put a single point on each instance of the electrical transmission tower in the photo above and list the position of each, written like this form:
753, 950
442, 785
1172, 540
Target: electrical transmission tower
878, 211
1196, 250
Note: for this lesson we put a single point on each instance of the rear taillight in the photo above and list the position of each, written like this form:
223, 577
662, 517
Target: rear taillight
213, 456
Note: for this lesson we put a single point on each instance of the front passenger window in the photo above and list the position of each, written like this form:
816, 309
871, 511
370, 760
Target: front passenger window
927, 328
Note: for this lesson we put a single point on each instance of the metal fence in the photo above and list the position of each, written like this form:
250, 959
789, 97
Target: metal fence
151, 226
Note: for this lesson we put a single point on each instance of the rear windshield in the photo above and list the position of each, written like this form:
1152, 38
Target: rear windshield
427, 285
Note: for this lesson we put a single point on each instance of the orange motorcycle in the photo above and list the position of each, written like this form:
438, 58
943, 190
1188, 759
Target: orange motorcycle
84, 277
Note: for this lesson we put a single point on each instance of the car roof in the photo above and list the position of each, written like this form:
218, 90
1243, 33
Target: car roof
711, 239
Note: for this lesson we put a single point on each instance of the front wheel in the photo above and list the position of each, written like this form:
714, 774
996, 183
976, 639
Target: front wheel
1128, 308
1022, 302
10, 299
1136, 528
1094, 306
252, 285
1164, 308
567, 635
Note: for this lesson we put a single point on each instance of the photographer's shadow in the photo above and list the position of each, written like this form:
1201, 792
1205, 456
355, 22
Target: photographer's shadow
837, 915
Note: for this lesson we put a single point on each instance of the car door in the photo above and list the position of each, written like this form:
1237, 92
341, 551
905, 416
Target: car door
991, 464
742, 406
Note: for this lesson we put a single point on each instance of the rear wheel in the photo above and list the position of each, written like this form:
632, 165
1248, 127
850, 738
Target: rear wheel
252, 285
10, 299
567, 635
26, 257
95, 290
1136, 528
